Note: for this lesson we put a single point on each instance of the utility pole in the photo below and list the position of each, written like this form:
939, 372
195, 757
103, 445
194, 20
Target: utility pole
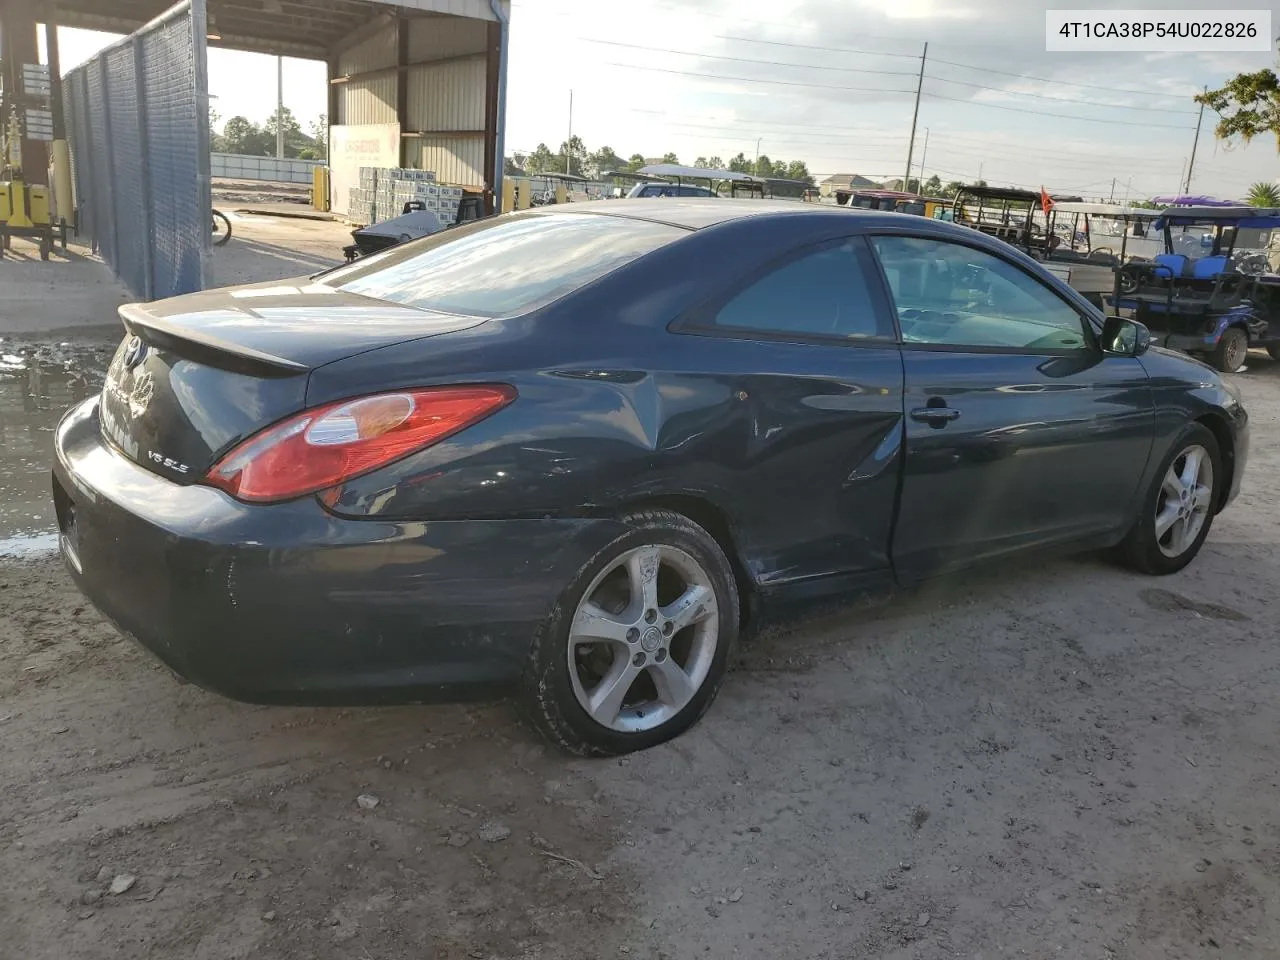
915, 115
923, 153
757, 164
279, 108
1195, 143
568, 150
1113, 190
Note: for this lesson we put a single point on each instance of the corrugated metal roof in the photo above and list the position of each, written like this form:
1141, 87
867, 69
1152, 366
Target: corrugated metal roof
304, 28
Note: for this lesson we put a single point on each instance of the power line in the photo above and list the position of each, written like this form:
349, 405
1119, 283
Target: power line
1060, 116
1072, 83
781, 83
769, 63
1045, 96
887, 73
950, 63
810, 46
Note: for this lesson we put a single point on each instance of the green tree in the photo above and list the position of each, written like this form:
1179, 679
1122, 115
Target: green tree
216, 143
799, 170
320, 136
952, 188
1248, 105
670, 158
933, 186
740, 164
542, 160
572, 157
295, 141
243, 136
701, 162
635, 163
763, 166
603, 160
715, 163
1264, 195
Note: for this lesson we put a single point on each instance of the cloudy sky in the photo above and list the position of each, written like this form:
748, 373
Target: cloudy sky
832, 82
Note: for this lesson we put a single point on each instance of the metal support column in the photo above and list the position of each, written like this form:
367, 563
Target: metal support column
145, 214
402, 88
109, 160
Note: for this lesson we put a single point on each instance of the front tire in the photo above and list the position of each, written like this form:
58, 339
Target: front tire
635, 650
1178, 510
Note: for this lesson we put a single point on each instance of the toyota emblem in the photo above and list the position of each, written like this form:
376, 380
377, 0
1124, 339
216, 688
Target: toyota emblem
134, 352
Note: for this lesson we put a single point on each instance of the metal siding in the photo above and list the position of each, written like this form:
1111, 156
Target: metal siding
447, 96
479, 9
375, 53
368, 101
455, 160
433, 38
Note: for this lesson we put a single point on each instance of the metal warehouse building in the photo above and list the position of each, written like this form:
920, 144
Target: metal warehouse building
413, 83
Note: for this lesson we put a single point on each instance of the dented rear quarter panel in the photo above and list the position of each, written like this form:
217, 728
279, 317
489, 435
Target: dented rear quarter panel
797, 445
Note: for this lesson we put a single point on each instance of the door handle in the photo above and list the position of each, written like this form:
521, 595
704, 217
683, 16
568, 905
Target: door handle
935, 416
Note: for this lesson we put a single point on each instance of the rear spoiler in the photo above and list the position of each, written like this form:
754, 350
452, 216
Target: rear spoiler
203, 347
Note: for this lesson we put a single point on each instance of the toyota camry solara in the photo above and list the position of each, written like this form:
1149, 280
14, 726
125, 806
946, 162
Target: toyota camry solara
576, 452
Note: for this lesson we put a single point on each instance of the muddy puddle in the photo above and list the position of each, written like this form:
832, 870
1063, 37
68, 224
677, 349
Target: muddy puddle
38, 382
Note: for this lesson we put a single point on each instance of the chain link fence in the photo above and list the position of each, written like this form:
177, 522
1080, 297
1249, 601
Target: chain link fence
138, 123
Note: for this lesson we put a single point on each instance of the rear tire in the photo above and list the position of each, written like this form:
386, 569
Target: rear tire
1158, 545
1232, 349
606, 675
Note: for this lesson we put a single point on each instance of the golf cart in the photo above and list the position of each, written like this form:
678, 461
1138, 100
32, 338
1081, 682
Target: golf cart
1089, 236
1024, 219
1195, 296
706, 180
873, 199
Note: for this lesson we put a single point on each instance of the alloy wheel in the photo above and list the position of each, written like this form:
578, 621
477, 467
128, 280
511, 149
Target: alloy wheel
643, 638
1186, 496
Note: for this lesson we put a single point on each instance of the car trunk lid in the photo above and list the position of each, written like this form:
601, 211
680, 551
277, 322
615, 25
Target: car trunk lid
196, 375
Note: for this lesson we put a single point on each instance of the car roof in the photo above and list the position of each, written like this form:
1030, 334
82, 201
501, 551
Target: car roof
695, 213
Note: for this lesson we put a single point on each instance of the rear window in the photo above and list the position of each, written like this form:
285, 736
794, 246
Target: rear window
503, 266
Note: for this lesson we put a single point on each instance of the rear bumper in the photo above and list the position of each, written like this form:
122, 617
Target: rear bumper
289, 604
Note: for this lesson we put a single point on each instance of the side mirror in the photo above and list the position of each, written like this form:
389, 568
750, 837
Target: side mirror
1125, 338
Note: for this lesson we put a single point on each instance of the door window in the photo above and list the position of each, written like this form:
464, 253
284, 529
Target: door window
954, 295
820, 293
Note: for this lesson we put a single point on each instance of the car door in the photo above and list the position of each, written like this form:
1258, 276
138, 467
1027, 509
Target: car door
811, 450
1020, 431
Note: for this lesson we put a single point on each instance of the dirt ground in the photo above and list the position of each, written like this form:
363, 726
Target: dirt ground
1060, 759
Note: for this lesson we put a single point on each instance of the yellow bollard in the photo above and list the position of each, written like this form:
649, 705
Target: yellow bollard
524, 199
562, 195
63, 206
320, 189
508, 195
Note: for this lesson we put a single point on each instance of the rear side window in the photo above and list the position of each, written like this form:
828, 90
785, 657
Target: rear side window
823, 292
504, 266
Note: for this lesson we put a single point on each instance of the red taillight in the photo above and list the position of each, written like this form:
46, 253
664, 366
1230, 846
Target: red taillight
326, 446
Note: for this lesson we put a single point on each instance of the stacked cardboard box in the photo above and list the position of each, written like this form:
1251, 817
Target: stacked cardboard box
384, 191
